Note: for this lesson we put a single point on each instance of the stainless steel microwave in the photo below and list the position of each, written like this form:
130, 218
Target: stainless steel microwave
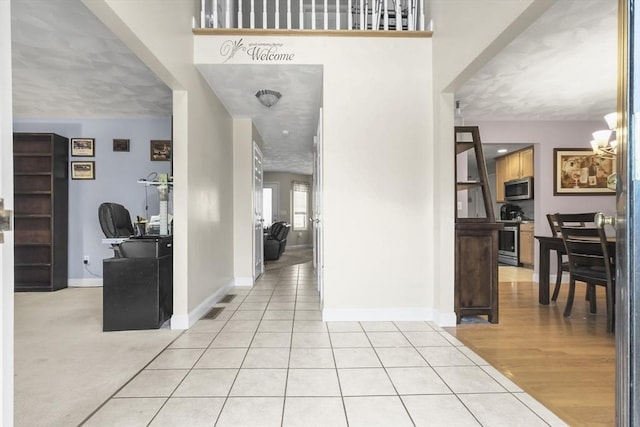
519, 189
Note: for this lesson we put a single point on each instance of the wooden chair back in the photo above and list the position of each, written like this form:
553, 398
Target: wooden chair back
588, 253
589, 261
572, 220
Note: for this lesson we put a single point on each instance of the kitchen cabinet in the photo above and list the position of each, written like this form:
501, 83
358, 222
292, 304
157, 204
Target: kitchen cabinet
476, 237
526, 243
501, 173
512, 166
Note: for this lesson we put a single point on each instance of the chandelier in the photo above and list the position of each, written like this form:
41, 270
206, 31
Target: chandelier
602, 144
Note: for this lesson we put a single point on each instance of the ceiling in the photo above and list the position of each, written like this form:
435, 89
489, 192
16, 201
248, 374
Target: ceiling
288, 127
67, 64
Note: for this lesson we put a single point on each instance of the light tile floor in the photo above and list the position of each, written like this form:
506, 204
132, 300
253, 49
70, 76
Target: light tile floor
269, 360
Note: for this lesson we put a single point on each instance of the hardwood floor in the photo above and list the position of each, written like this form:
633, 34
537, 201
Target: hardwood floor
566, 364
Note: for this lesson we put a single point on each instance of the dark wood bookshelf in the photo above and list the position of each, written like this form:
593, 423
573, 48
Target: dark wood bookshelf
41, 200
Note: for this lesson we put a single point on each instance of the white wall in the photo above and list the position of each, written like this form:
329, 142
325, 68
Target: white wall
203, 149
376, 134
117, 174
6, 191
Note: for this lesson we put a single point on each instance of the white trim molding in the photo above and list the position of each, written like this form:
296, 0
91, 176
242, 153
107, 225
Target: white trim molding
445, 319
243, 281
376, 314
185, 321
305, 246
85, 282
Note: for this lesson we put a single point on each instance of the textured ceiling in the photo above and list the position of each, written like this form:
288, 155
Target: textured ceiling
296, 113
563, 67
66, 63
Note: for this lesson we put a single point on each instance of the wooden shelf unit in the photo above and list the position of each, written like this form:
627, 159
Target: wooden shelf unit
476, 246
41, 199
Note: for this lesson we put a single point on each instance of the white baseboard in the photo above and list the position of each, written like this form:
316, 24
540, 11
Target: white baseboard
185, 321
446, 319
297, 246
243, 281
85, 282
376, 314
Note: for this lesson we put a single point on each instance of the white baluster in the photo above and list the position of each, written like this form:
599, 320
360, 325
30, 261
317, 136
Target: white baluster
264, 13
301, 18
214, 13
313, 14
386, 16
239, 14
349, 15
252, 15
203, 15
337, 14
362, 15
326, 14
288, 14
422, 15
227, 14
398, 16
277, 14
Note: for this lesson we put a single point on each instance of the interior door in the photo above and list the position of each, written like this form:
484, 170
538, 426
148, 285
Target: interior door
318, 261
6, 192
258, 236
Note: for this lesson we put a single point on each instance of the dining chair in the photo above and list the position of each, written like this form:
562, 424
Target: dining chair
562, 261
589, 262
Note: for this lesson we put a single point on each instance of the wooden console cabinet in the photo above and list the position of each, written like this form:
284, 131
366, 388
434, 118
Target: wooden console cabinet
41, 199
476, 245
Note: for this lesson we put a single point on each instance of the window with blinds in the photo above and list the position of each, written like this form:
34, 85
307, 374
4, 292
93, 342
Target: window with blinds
300, 205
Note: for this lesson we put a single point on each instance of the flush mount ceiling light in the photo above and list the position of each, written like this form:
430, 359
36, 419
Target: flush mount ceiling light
268, 97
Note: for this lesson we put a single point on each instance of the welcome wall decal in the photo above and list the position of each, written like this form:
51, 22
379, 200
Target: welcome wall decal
259, 52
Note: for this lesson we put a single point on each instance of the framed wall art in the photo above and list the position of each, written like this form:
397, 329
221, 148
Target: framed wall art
160, 150
579, 172
83, 147
83, 170
120, 145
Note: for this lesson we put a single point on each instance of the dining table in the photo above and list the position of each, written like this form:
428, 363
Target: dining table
548, 244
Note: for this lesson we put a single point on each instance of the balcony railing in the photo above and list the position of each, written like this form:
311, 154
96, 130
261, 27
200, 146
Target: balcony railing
369, 15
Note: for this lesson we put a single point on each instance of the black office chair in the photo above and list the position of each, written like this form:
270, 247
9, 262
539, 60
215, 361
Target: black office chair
115, 220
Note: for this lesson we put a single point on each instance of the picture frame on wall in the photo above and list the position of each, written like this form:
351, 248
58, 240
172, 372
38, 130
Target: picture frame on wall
83, 147
83, 170
120, 145
580, 172
161, 150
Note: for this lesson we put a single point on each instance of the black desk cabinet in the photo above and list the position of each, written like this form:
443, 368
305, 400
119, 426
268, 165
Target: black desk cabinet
137, 292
